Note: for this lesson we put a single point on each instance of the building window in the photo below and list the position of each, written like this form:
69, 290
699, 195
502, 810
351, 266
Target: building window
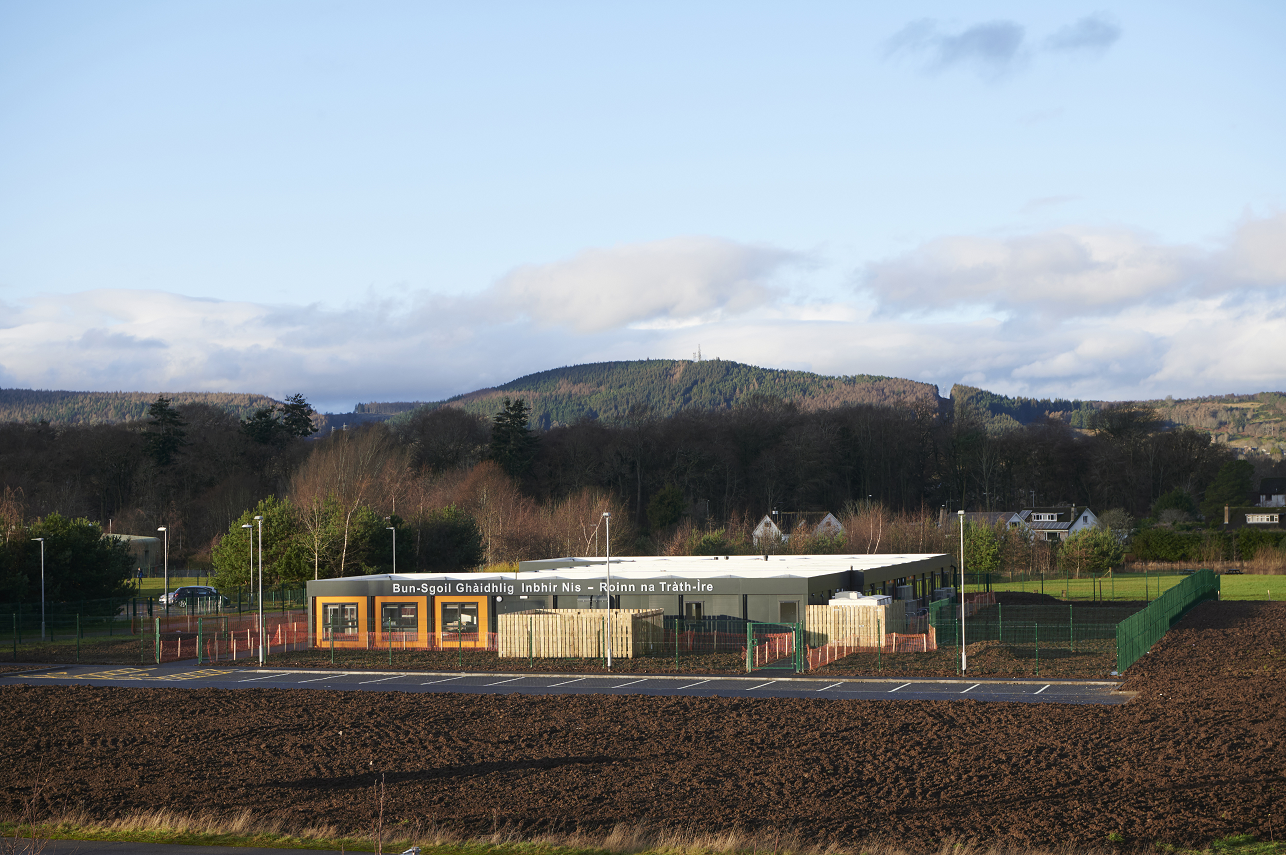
460, 617
1044, 517
399, 617
1262, 519
694, 611
339, 618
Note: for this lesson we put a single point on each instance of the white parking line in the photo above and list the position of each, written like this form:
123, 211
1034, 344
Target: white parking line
327, 677
971, 688
501, 682
631, 683
252, 679
903, 686
566, 682
761, 685
1038, 691
447, 680
831, 686
690, 685
380, 680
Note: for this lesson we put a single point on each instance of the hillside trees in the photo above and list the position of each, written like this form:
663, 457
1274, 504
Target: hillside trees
513, 446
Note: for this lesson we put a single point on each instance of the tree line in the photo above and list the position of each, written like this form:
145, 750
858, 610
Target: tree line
458, 489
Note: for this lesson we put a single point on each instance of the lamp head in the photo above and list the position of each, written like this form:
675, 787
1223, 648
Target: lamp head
607, 514
960, 513
259, 518
246, 525
41, 539
161, 528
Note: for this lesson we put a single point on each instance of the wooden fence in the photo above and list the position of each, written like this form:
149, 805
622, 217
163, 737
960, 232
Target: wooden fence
580, 633
856, 625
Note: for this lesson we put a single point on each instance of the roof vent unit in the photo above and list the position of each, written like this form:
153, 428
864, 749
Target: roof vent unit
855, 598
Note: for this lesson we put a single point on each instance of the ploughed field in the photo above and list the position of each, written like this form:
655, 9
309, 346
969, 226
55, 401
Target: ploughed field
1199, 753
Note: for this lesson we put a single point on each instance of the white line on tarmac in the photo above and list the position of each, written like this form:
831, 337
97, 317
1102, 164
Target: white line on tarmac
831, 686
903, 686
761, 685
623, 685
252, 679
566, 682
971, 688
690, 685
1038, 691
500, 682
327, 677
380, 680
447, 680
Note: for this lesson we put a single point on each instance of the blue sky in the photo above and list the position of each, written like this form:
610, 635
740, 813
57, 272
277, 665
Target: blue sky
402, 201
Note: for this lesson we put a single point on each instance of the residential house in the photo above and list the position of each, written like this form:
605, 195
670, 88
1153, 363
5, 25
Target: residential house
1272, 493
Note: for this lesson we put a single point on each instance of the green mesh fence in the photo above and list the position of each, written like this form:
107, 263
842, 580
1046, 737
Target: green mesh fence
1136, 634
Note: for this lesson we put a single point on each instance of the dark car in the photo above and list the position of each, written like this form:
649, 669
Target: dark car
195, 595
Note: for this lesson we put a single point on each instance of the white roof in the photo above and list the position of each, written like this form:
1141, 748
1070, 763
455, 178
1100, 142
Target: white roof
680, 567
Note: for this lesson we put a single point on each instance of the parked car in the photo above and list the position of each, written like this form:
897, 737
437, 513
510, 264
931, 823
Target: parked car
195, 594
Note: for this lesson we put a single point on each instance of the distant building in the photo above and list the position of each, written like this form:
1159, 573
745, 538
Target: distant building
768, 530
145, 551
1272, 493
1038, 523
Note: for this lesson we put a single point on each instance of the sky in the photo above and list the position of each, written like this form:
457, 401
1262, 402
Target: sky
404, 201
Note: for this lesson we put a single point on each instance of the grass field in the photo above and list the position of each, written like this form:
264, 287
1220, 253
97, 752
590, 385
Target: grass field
1138, 587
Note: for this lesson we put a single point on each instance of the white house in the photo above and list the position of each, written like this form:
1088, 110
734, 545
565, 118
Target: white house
1053, 523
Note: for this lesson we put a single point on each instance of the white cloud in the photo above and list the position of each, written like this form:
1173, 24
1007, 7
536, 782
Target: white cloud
1053, 270
668, 283
1082, 313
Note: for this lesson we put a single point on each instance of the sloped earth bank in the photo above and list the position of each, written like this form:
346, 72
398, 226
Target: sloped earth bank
1200, 753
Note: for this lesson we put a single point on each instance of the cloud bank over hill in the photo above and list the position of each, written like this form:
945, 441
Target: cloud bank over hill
1091, 313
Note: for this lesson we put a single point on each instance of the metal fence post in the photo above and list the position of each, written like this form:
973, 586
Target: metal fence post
531, 642
156, 646
1071, 635
750, 647
1037, 649
78, 637
200, 637
15, 638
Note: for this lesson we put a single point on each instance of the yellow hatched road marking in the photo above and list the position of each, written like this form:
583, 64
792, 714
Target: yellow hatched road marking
115, 674
133, 674
192, 675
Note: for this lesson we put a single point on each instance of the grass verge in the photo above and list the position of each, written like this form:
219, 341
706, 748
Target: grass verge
244, 829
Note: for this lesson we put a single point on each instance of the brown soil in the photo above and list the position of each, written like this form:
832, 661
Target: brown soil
1199, 754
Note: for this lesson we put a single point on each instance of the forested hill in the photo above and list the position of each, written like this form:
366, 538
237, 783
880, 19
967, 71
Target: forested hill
607, 390
1003, 412
30, 405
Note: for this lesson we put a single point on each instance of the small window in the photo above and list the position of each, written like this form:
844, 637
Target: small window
460, 617
788, 612
400, 617
339, 619
693, 611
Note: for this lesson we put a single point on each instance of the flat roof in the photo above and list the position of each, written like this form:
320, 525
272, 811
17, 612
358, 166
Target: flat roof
687, 567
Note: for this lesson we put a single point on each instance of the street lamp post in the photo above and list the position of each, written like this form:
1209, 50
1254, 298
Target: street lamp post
260, 519
963, 663
394, 530
251, 577
166, 590
607, 516
42, 587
